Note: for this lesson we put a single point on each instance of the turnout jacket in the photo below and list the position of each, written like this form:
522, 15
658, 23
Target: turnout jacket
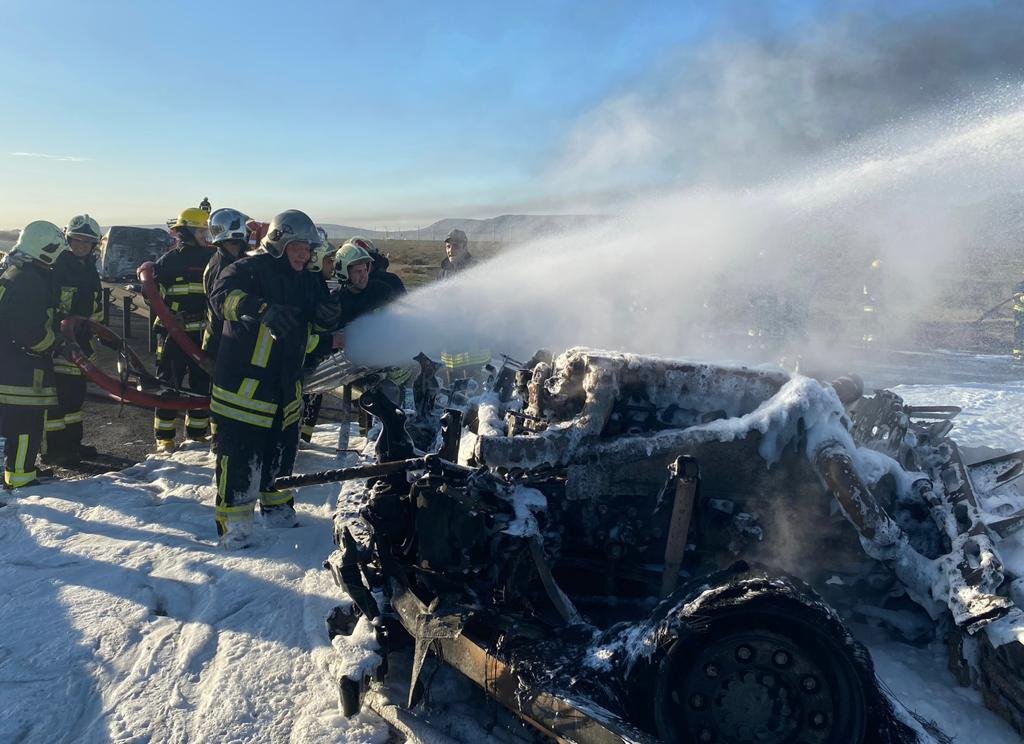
77, 289
214, 327
256, 374
353, 304
26, 336
379, 271
179, 276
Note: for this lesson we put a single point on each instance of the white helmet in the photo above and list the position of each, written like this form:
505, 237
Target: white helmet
365, 243
320, 252
83, 226
228, 224
42, 241
347, 255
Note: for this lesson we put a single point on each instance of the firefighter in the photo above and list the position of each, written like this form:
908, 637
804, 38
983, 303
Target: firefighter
457, 256
361, 291
77, 292
319, 345
205, 205
27, 338
460, 364
873, 303
379, 269
179, 276
229, 233
265, 302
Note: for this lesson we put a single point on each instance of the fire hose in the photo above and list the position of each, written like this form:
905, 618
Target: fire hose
146, 392
147, 278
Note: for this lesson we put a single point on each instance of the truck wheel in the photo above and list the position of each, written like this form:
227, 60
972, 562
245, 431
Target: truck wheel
759, 675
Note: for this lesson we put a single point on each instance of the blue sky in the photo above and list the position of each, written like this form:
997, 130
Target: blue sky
392, 113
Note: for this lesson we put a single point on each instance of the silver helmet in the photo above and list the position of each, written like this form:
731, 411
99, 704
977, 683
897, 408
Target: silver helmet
288, 227
228, 224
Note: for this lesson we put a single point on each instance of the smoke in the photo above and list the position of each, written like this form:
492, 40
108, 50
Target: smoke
738, 110
746, 242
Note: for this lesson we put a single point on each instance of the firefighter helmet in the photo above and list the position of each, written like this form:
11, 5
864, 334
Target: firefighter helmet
83, 226
42, 241
192, 217
316, 261
228, 224
349, 254
365, 243
288, 227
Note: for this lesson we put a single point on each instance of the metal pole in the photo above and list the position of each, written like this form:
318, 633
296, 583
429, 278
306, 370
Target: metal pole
106, 306
686, 474
345, 432
126, 316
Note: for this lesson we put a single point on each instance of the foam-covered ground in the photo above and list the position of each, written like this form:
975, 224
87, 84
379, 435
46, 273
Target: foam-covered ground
121, 621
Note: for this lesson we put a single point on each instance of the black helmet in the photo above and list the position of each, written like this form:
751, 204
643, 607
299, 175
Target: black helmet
288, 227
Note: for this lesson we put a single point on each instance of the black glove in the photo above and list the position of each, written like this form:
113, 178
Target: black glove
58, 348
282, 320
328, 315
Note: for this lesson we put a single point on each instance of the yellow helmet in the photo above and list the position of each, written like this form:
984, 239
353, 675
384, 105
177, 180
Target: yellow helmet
193, 217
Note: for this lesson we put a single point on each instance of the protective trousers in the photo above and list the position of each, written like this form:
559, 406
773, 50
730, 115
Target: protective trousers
172, 367
22, 430
249, 458
64, 421
310, 413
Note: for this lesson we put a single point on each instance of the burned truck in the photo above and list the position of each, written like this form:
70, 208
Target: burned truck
625, 548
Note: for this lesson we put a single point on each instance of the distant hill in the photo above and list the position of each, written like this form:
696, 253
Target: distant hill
507, 228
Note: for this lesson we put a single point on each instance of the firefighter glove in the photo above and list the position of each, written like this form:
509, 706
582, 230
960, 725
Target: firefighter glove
328, 315
282, 320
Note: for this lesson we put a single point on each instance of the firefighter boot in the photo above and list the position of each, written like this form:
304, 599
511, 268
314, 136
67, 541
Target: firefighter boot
238, 535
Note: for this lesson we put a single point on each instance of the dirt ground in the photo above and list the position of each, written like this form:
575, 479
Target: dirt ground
113, 428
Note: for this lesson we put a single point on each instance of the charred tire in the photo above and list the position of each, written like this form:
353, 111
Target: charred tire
760, 673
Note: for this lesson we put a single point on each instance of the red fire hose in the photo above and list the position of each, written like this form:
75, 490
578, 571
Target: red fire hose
147, 277
148, 392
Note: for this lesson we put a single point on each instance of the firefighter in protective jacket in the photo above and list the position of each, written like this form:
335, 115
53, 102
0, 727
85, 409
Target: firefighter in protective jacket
27, 341
460, 363
179, 276
319, 345
229, 233
78, 292
267, 303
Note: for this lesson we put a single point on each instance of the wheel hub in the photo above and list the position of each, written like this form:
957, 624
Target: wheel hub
755, 687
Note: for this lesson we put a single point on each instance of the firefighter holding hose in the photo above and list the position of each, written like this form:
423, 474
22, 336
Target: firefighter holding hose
267, 303
179, 277
79, 293
27, 342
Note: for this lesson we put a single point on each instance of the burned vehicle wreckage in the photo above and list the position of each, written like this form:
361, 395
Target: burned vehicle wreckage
623, 548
